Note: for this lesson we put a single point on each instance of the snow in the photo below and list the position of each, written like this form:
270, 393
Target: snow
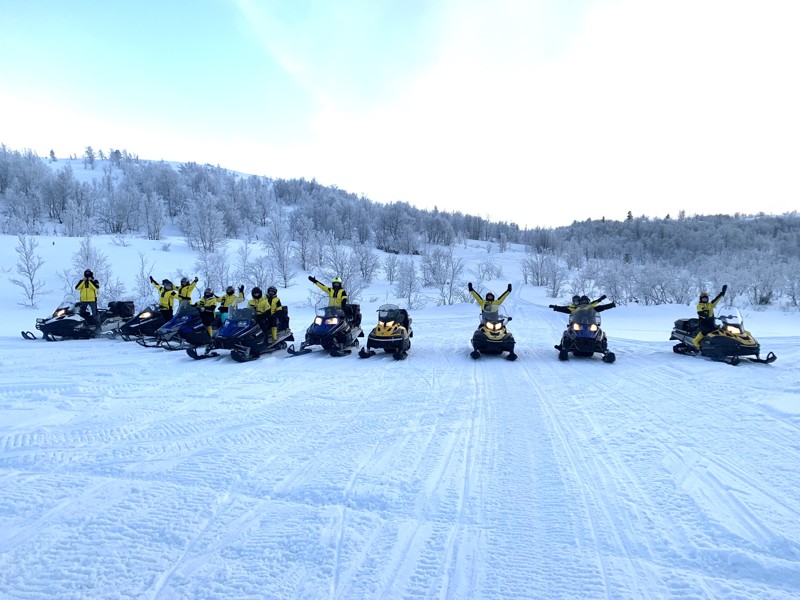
131, 472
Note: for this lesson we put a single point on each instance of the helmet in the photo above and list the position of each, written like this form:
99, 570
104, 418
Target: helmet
272, 290
703, 295
489, 296
256, 292
230, 290
208, 292
584, 300
88, 273
576, 299
167, 284
337, 280
184, 281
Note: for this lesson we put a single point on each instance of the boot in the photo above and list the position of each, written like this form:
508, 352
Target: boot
210, 331
274, 334
697, 338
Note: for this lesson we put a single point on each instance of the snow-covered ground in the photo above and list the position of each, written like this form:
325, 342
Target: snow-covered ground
131, 472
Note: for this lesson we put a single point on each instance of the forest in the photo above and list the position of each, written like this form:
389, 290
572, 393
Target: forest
296, 224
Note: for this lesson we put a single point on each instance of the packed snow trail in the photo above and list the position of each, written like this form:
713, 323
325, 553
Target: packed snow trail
136, 472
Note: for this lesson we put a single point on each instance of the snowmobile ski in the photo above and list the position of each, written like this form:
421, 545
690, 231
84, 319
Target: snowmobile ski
29, 335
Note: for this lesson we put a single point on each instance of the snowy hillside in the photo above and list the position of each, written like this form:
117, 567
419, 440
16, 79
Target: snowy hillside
131, 472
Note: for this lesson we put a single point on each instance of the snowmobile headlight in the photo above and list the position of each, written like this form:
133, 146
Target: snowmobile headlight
733, 329
60, 313
332, 321
318, 321
592, 327
388, 324
146, 315
576, 327
494, 326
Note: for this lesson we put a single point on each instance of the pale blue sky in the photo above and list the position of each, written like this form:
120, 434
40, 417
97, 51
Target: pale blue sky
539, 112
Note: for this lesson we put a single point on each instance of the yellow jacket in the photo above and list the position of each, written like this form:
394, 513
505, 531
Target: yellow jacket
185, 291
229, 300
493, 304
166, 298
335, 297
208, 304
88, 289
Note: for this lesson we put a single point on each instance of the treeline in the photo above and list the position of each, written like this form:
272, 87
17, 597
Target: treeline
303, 224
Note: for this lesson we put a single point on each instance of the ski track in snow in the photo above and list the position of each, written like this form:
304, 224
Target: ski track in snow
137, 472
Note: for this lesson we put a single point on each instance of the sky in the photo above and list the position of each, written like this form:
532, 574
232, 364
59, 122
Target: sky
538, 112
132, 472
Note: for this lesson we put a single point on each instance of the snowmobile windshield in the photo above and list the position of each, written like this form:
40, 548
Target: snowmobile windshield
584, 316
329, 312
185, 308
241, 312
730, 315
496, 314
389, 312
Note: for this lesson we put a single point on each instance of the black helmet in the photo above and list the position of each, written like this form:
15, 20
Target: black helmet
489, 295
167, 284
272, 290
584, 300
208, 292
184, 281
256, 293
230, 290
703, 295
88, 273
576, 299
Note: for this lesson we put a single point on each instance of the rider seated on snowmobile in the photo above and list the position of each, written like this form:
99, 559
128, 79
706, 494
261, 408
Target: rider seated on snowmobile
207, 305
261, 308
229, 299
277, 315
166, 297
489, 303
580, 302
705, 314
88, 287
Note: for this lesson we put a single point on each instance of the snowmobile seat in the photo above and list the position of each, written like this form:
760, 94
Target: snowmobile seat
404, 319
353, 313
122, 309
687, 324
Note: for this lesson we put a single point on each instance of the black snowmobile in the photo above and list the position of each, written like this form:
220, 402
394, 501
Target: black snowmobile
72, 321
244, 337
492, 336
584, 336
335, 329
392, 334
145, 324
730, 342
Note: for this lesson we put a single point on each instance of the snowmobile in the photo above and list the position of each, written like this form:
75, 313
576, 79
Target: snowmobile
730, 342
392, 334
335, 329
492, 336
145, 324
73, 321
168, 336
243, 336
584, 336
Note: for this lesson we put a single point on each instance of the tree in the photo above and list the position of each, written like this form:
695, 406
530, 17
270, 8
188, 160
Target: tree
202, 229
443, 270
390, 267
408, 286
88, 158
278, 245
28, 265
53, 156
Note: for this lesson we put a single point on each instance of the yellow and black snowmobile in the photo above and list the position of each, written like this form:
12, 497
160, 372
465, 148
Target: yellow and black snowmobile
392, 334
492, 336
730, 342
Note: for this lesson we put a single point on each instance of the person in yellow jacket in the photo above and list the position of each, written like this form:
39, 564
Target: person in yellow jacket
336, 294
489, 303
276, 312
578, 302
261, 307
185, 290
705, 314
88, 287
229, 299
207, 305
166, 297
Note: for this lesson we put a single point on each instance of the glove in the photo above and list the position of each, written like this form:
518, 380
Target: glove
241, 289
196, 280
551, 306
312, 279
469, 286
603, 297
724, 289
509, 287
153, 280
